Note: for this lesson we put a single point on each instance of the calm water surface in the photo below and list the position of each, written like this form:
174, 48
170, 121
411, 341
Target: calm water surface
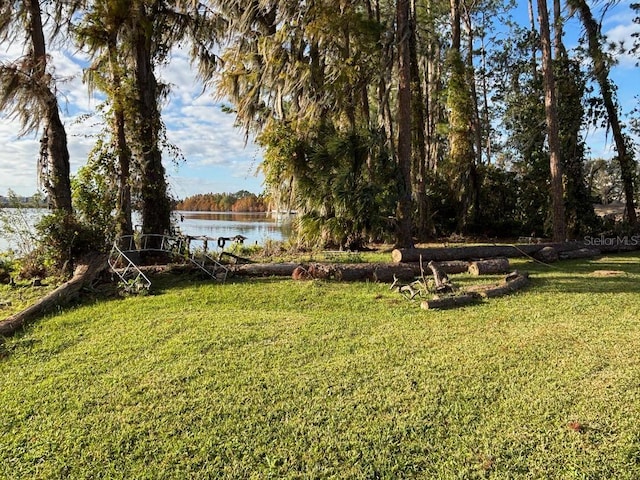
257, 227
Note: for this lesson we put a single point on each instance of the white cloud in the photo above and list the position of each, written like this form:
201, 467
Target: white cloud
212, 146
620, 34
19, 160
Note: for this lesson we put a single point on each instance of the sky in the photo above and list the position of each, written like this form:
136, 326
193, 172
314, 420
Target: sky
217, 157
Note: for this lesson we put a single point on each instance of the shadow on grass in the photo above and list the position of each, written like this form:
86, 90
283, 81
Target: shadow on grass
582, 284
619, 274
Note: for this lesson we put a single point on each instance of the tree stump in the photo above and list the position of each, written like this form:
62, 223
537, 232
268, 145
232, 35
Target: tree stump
440, 279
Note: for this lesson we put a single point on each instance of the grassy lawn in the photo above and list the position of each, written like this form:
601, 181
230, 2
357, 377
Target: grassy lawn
283, 379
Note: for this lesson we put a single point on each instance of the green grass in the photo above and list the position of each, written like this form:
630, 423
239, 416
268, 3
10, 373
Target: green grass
14, 299
283, 379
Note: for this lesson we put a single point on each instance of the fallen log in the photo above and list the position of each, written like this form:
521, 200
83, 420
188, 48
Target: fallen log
83, 276
447, 302
614, 244
263, 269
440, 254
514, 281
580, 253
453, 266
346, 272
489, 266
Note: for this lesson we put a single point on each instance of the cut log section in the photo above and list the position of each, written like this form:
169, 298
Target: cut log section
453, 266
490, 266
448, 302
263, 269
83, 276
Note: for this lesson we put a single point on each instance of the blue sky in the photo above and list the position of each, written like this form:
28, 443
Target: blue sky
217, 158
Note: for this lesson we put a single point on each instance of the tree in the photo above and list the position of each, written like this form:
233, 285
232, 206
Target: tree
601, 73
128, 40
553, 139
27, 89
101, 28
403, 39
145, 22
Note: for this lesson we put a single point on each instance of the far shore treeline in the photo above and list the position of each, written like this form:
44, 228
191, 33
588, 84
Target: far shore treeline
34, 201
242, 201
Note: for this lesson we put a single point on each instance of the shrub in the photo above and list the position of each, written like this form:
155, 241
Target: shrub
64, 238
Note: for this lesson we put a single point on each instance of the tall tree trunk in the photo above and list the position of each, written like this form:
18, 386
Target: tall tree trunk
433, 93
460, 106
156, 208
601, 73
54, 152
476, 129
403, 36
471, 81
557, 195
425, 226
385, 117
485, 102
123, 203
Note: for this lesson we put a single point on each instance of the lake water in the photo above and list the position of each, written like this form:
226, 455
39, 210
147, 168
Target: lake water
257, 227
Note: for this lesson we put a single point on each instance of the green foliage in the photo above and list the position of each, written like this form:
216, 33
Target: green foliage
64, 238
604, 181
525, 146
8, 266
344, 197
571, 84
94, 195
500, 202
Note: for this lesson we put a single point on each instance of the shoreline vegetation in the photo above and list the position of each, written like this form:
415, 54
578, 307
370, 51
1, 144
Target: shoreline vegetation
240, 202
17, 201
